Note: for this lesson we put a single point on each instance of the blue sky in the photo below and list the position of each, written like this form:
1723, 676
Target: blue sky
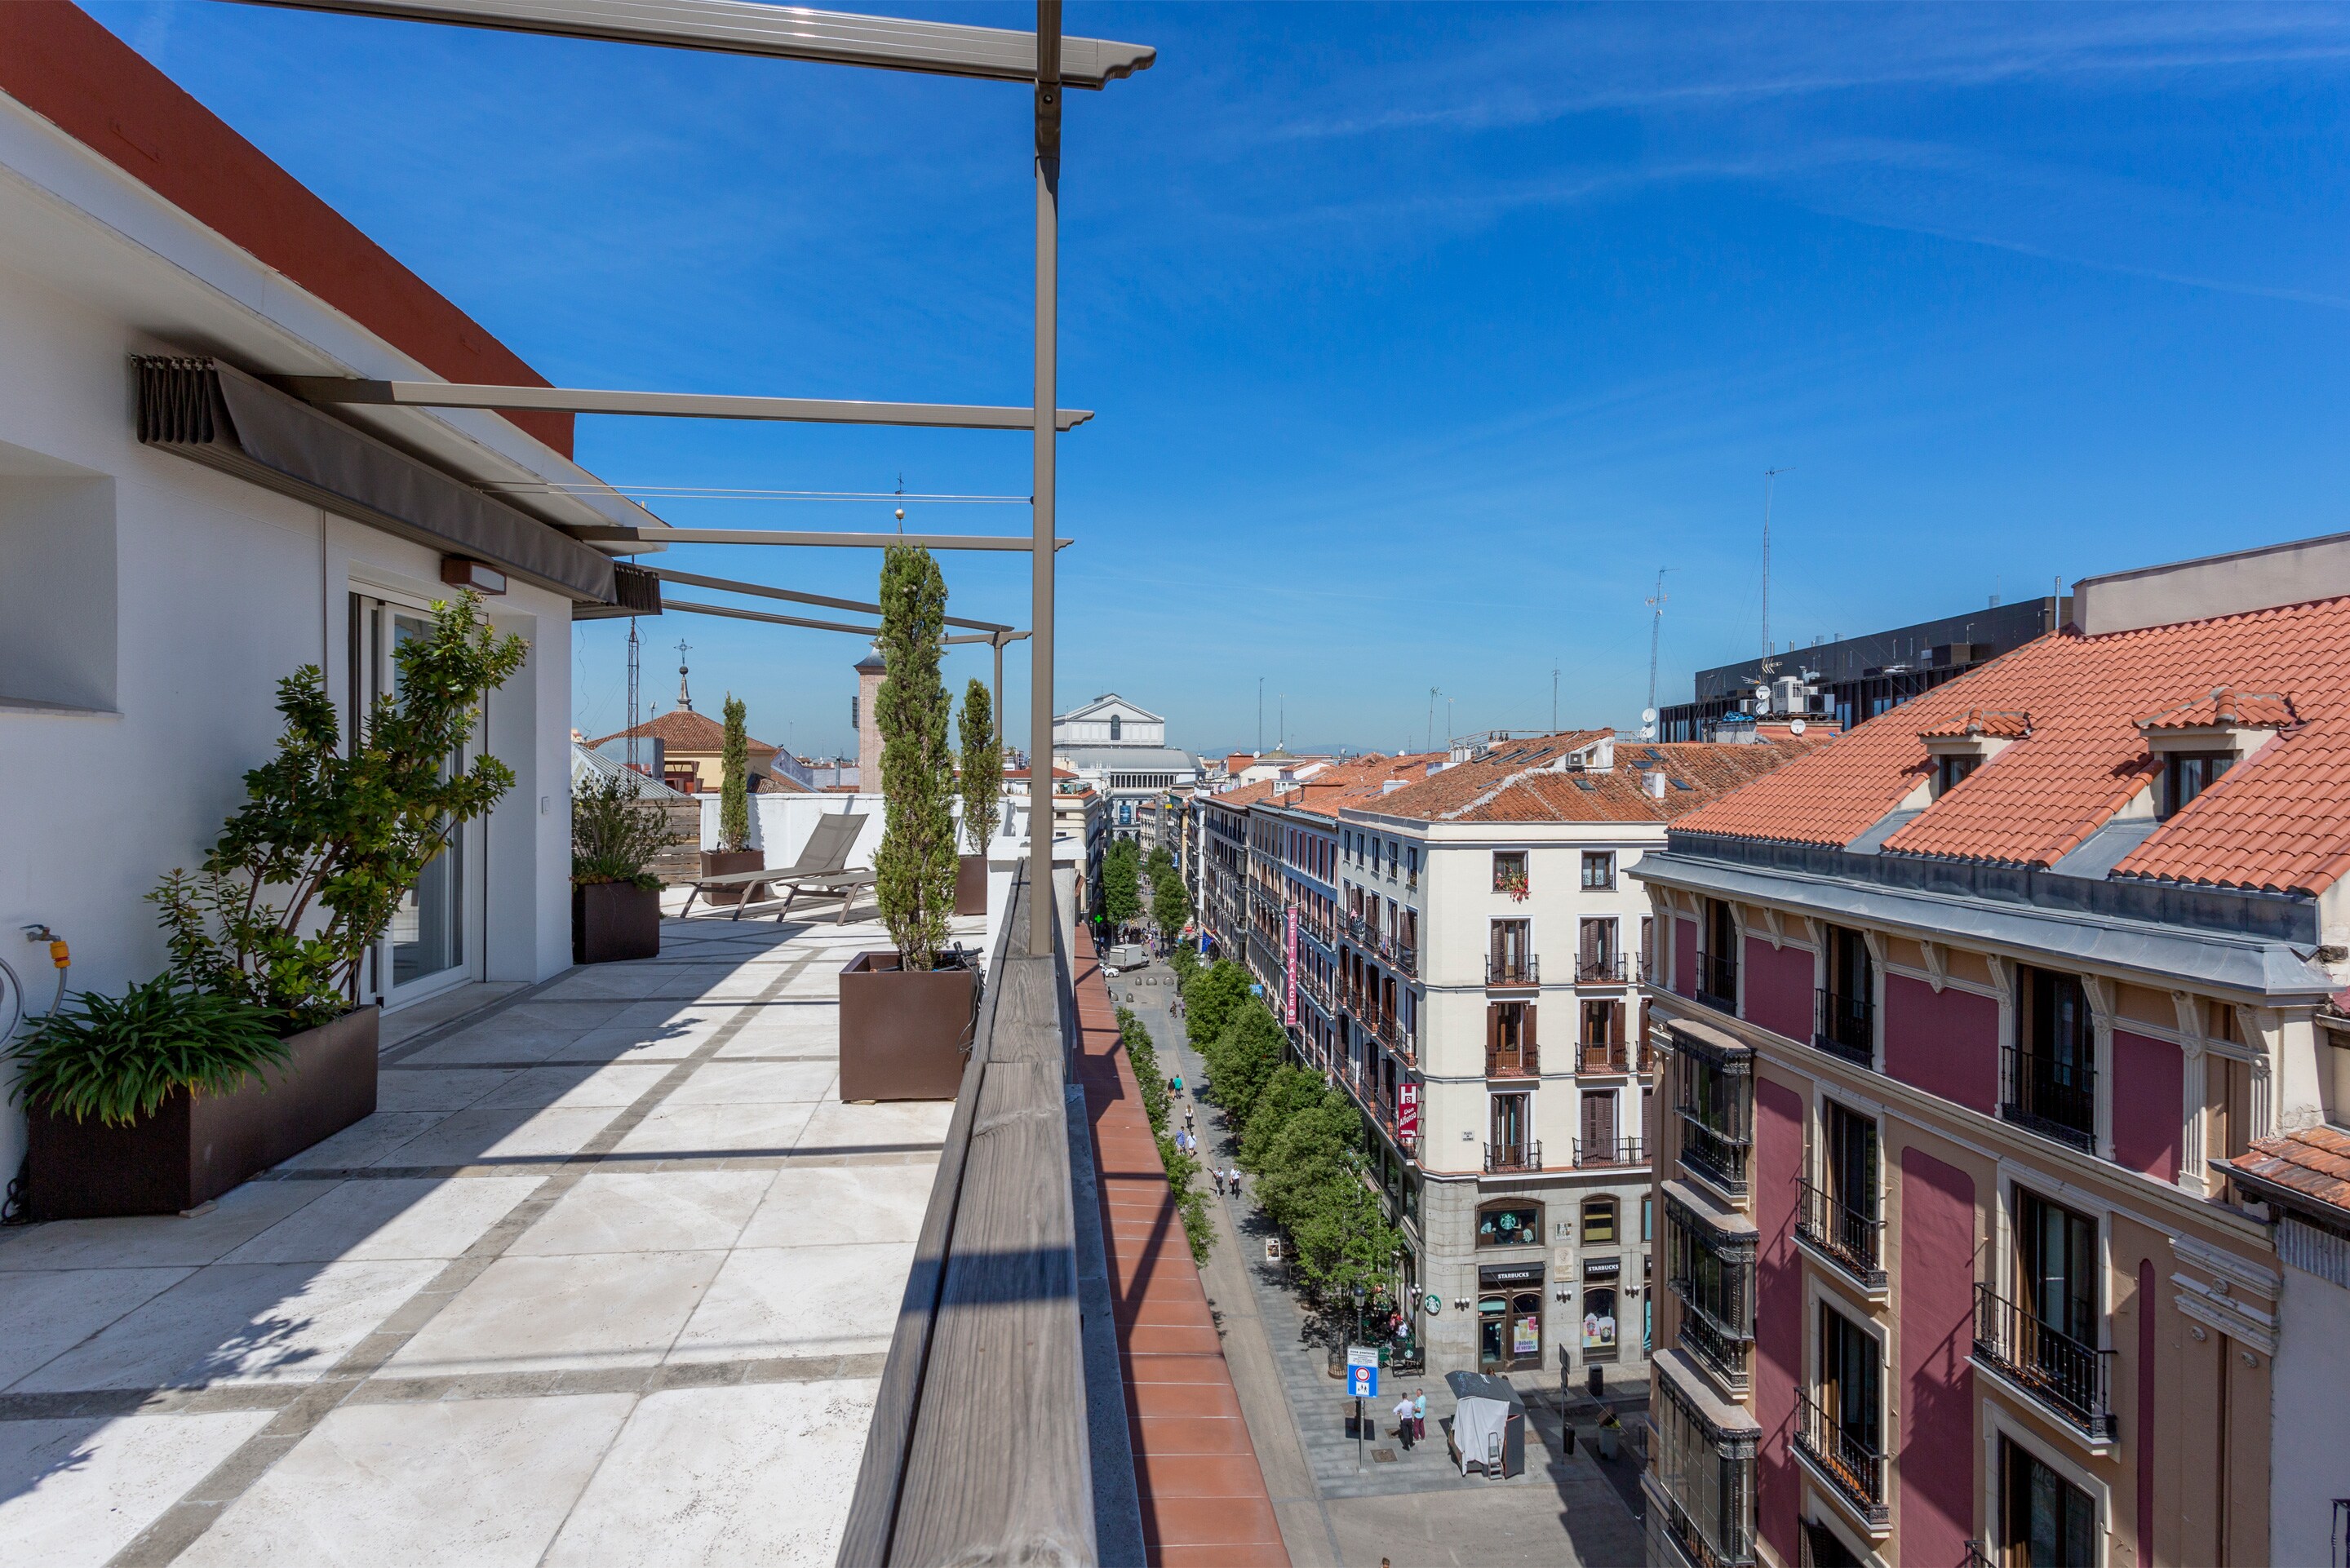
1421, 336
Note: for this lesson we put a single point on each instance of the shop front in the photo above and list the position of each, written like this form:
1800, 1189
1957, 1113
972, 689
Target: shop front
1601, 1296
1510, 1317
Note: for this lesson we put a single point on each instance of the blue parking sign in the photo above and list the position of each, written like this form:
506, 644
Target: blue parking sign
1363, 1382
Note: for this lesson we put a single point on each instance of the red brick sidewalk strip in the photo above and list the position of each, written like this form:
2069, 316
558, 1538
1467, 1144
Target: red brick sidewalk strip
1203, 1499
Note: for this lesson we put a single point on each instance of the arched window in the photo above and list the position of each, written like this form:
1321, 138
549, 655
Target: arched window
1117, 727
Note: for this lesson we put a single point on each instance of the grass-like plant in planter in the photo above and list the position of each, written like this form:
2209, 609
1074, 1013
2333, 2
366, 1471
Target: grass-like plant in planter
906, 1017
616, 834
983, 796
300, 886
734, 852
112, 1060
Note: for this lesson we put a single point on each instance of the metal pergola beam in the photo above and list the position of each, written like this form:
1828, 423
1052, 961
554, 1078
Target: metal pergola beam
778, 31
349, 390
729, 584
689, 608
652, 538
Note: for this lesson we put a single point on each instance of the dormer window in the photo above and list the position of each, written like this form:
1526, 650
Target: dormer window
1959, 745
2197, 740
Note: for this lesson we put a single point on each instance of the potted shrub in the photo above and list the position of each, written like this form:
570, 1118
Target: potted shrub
167, 1097
734, 852
982, 797
615, 833
906, 1014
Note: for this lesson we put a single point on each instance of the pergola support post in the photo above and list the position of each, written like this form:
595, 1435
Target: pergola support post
1041, 913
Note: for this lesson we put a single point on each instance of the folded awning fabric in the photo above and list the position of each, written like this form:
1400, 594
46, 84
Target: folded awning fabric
217, 415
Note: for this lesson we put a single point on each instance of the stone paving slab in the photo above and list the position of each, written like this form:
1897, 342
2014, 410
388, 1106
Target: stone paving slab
608, 1278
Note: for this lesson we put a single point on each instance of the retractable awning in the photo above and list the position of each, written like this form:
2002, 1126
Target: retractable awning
217, 415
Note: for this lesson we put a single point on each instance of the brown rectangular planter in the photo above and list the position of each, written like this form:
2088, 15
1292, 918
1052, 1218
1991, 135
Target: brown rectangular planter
904, 1035
612, 921
196, 1147
723, 862
971, 884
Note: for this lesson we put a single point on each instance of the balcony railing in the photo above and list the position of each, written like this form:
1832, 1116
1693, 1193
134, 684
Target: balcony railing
1717, 981
1854, 1241
2069, 1377
1513, 969
1517, 1062
1724, 1352
1599, 969
1406, 959
2056, 1099
1718, 1157
1607, 1151
1604, 1056
1856, 1466
1500, 1157
1845, 1026
1682, 1534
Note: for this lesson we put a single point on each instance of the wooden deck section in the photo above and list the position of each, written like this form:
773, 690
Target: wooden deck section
1204, 1503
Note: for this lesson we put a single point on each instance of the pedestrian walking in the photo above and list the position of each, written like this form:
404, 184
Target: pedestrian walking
1420, 1414
1218, 1178
1179, 1083
1404, 1422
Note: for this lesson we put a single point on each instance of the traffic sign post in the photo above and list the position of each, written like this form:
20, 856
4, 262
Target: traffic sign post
1362, 1382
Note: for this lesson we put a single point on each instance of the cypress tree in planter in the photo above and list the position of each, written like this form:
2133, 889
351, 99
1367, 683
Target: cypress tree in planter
906, 1016
290, 900
982, 796
734, 852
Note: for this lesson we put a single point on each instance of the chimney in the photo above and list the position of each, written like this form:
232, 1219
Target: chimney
869, 671
1653, 780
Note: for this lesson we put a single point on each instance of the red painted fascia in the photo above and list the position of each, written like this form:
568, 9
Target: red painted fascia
58, 62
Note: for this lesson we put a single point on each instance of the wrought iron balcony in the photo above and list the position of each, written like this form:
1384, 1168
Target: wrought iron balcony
1716, 981
1406, 959
1845, 1026
1856, 1468
1599, 969
1854, 1240
2070, 1378
1604, 1056
1722, 1350
2054, 1098
1718, 1157
1517, 1062
1501, 1157
1513, 969
1607, 1151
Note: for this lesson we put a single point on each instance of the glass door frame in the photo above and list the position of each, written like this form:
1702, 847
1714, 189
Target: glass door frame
371, 672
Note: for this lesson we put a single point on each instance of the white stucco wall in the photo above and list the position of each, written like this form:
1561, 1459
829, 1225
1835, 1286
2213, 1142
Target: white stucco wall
218, 589
2309, 1466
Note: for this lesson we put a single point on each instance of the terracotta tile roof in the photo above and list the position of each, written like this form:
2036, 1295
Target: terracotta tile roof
1518, 784
2279, 820
1351, 783
1975, 721
2247, 710
2315, 1163
682, 730
1432, 798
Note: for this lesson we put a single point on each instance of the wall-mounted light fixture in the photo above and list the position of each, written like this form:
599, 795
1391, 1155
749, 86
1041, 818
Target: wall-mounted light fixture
460, 573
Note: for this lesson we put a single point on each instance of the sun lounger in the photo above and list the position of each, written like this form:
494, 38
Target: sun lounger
825, 854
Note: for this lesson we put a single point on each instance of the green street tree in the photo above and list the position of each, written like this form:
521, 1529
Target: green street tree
1121, 889
1208, 1003
1243, 1058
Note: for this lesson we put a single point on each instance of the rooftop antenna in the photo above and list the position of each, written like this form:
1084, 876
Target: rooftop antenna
1260, 715
1655, 626
1432, 695
1554, 699
1769, 477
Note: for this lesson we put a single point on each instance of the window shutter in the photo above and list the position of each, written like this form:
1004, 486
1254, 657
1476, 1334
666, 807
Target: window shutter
1528, 1038
1616, 1023
1492, 1027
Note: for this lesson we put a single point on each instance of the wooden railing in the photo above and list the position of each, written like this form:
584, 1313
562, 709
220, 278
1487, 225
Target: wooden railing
987, 1431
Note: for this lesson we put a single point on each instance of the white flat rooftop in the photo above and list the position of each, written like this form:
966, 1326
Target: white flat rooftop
608, 1278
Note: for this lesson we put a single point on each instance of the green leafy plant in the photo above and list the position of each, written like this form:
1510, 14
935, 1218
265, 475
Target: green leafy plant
1170, 901
1209, 1000
616, 832
734, 780
983, 768
308, 872
914, 870
1305, 1143
1185, 961
1243, 1057
117, 1059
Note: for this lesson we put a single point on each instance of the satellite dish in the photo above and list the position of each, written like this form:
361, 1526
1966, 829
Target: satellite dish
1794, 726
1648, 715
